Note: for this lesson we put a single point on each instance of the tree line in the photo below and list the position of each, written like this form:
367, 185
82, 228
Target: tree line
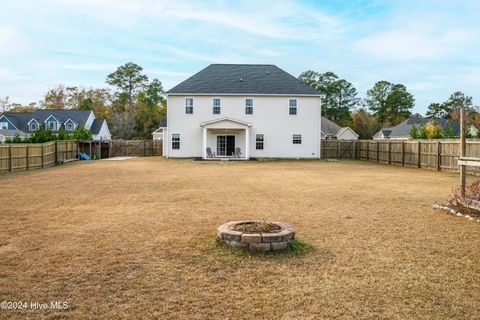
135, 105
132, 109
386, 104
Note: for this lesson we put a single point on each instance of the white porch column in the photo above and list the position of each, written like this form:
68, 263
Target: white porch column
204, 150
247, 143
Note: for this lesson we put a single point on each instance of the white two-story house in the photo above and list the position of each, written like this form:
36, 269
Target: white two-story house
243, 111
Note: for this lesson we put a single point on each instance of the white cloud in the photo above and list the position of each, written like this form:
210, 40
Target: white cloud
413, 43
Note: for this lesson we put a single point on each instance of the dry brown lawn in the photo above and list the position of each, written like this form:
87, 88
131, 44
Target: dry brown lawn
136, 240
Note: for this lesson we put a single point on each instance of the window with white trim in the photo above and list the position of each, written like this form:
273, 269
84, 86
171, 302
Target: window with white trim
4, 125
292, 103
216, 106
189, 105
259, 141
175, 141
70, 126
33, 126
51, 125
248, 106
297, 139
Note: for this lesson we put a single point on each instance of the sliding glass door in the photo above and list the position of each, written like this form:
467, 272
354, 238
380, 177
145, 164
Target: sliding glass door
225, 145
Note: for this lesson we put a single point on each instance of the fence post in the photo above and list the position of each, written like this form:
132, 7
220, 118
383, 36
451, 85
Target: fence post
439, 156
368, 150
389, 149
56, 152
354, 151
144, 152
403, 153
27, 160
378, 151
109, 149
338, 146
43, 156
419, 155
10, 165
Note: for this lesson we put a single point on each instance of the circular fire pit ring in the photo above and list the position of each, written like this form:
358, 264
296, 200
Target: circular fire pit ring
256, 235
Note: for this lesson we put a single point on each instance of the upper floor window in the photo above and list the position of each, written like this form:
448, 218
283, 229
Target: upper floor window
292, 106
297, 139
70, 126
176, 141
52, 125
259, 140
189, 106
33, 126
216, 106
248, 106
4, 125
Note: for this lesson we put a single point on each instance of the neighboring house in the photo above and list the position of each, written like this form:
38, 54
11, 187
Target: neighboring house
331, 130
257, 110
9, 134
26, 123
158, 134
402, 130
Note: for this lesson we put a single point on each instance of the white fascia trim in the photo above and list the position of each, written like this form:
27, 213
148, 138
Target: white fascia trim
51, 116
3, 116
225, 119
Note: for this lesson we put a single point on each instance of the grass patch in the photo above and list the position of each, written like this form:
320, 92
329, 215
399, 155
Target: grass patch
296, 248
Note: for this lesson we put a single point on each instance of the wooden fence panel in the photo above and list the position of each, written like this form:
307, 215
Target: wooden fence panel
136, 148
19, 157
428, 154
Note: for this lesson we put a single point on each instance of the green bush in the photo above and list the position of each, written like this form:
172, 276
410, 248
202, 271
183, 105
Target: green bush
42, 135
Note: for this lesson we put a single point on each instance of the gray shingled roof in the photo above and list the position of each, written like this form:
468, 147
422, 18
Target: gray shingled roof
329, 127
12, 133
386, 132
96, 126
244, 79
21, 119
403, 129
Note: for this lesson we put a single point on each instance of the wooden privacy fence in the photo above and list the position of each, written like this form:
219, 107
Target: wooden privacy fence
19, 157
135, 148
430, 154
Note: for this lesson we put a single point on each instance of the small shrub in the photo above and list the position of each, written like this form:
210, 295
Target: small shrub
463, 204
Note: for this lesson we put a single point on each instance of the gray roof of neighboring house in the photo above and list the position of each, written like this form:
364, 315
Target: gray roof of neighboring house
244, 79
386, 132
77, 116
21, 119
163, 122
329, 127
12, 133
96, 126
403, 129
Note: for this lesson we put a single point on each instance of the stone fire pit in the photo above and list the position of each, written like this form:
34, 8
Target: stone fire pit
256, 235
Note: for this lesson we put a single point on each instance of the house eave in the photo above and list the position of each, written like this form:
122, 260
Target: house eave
244, 94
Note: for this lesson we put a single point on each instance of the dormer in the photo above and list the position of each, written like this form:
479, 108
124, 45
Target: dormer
6, 124
51, 123
33, 125
69, 125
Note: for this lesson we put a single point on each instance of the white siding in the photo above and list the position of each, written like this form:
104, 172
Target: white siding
270, 117
347, 134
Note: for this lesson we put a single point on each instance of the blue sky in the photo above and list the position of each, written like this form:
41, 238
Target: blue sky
430, 46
